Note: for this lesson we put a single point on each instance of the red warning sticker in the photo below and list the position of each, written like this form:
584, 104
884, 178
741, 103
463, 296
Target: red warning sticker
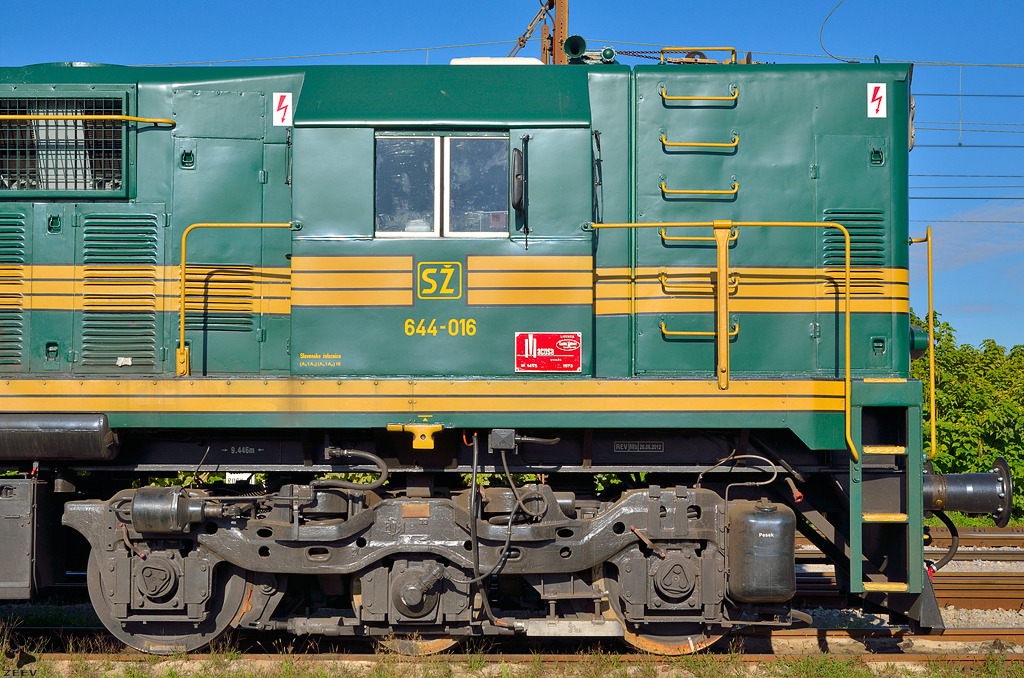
549, 351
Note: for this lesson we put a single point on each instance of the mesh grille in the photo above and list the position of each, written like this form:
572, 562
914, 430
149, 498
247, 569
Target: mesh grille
61, 155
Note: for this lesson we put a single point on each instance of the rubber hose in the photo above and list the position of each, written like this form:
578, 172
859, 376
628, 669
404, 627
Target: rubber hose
346, 485
954, 540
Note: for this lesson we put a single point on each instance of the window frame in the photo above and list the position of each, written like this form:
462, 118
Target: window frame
435, 231
442, 186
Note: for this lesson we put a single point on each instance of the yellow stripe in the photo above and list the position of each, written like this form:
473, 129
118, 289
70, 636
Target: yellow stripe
301, 263
329, 395
530, 297
352, 297
740, 305
760, 290
528, 262
159, 386
396, 280
519, 280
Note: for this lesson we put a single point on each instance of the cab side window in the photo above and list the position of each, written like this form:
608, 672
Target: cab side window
433, 186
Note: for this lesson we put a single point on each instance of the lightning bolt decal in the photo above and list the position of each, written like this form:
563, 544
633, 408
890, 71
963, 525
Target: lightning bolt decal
877, 96
282, 107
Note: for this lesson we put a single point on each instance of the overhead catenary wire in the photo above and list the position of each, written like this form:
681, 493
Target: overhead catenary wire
334, 54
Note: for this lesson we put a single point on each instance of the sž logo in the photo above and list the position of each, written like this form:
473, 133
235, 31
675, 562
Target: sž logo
439, 280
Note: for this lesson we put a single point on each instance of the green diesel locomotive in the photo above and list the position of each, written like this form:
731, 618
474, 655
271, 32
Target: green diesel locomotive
491, 348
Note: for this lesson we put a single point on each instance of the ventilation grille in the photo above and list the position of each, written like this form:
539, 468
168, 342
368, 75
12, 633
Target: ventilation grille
867, 251
12, 288
120, 292
61, 155
220, 298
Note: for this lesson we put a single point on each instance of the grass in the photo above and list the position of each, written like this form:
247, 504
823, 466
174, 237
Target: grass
970, 520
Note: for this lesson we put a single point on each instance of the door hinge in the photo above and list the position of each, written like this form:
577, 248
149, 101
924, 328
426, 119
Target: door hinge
72, 356
813, 171
263, 176
261, 334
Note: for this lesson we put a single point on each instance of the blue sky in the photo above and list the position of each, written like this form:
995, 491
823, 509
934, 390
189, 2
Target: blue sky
979, 266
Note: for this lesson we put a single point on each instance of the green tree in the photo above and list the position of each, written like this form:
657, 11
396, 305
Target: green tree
979, 397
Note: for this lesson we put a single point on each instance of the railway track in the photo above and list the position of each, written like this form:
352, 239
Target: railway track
747, 646
972, 590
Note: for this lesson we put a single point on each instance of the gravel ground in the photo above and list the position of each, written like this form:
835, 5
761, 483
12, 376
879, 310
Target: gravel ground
983, 566
952, 617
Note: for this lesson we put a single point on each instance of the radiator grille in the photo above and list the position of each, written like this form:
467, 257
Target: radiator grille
61, 155
12, 288
220, 298
867, 251
120, 292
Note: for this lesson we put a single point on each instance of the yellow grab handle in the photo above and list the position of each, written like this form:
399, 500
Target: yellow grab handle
682, 333
734, 96
735, 189
702, 144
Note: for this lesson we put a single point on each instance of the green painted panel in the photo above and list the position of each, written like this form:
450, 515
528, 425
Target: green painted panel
609, 103
374, 340
275, 329
444, 96
219, 113
52, 246
223, 187
559, 184
332, 174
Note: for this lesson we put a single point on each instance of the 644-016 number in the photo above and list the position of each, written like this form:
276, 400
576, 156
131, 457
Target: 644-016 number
455, 327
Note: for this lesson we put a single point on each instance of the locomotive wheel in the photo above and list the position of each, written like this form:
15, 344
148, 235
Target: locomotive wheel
416, 646
173, 637
671, 639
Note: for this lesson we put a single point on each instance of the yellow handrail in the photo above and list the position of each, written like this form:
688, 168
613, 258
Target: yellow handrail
735, 95
722, 229
123, 118
182, 354
735, 189
931, 342
702, 144
685, 50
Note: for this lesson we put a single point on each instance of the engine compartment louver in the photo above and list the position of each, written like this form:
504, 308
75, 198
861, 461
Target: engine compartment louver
868, 255
120, 292
12, 288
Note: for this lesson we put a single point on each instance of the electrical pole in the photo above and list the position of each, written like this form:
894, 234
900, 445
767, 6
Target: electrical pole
561, 32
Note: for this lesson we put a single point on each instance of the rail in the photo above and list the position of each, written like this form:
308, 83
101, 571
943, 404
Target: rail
723, 230
123, 118
182, 356
931, 342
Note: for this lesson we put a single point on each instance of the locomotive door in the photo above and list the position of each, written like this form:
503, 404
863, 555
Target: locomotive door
854, 188
677, 181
